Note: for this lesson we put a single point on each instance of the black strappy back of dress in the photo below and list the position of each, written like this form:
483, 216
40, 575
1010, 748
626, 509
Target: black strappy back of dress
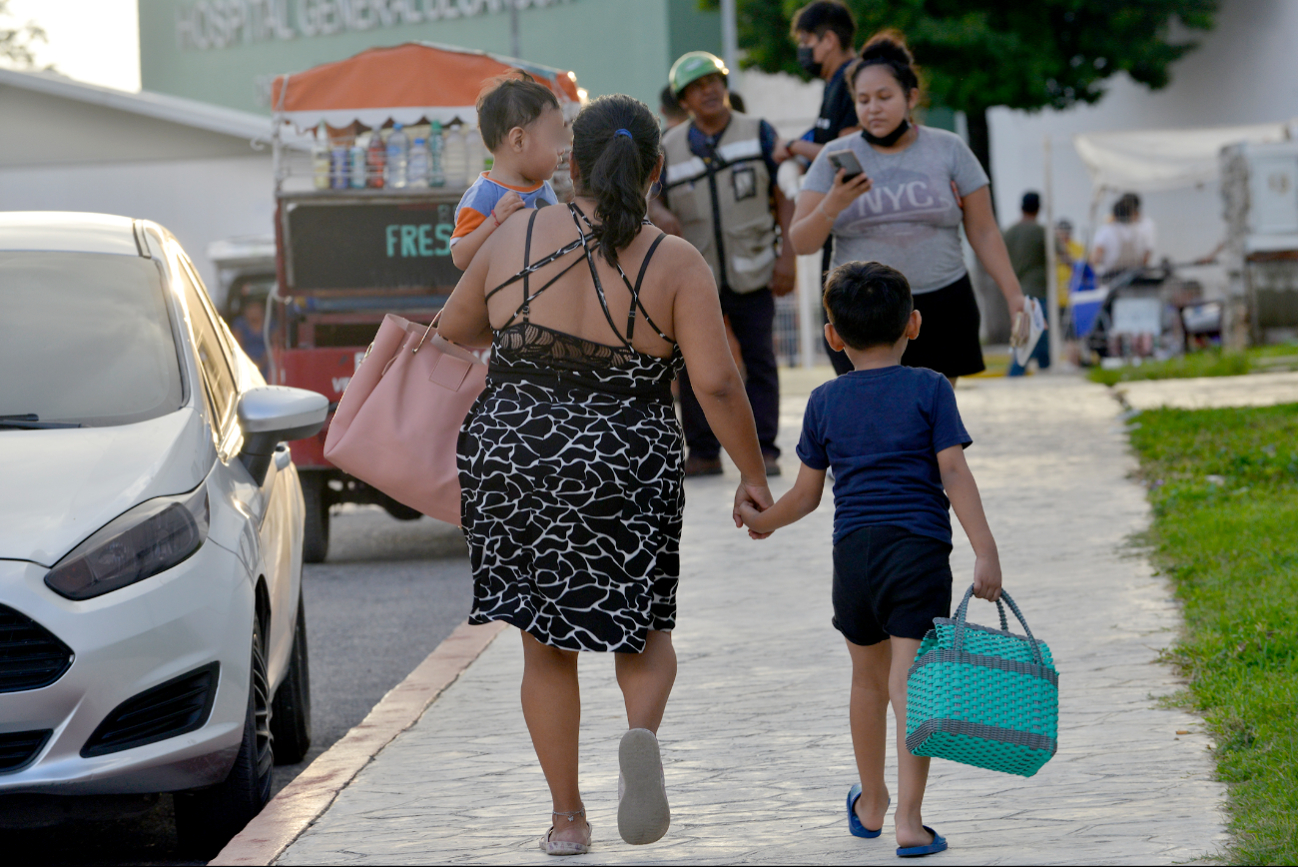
526, 352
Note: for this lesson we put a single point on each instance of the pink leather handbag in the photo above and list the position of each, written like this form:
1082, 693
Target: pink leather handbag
399, 419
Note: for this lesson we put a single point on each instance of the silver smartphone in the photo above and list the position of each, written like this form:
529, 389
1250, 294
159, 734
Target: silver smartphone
847, 161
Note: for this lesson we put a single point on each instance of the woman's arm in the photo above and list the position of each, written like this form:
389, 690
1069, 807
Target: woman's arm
815, 213
701, 335
985, 238
464, 318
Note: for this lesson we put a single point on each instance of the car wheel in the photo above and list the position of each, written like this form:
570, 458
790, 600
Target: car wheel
290, 722
208, 818
315, 530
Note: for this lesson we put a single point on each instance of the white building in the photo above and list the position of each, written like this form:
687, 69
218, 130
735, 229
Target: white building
201, 170
1243, 72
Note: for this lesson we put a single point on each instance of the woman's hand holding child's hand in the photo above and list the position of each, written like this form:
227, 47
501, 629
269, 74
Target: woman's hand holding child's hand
987, 578
748, 515
755, 498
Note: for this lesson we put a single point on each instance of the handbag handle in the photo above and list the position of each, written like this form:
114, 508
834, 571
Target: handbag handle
428, 331
962, 613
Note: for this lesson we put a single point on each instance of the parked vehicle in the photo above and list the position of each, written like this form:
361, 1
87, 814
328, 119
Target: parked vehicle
152, 626
348, 255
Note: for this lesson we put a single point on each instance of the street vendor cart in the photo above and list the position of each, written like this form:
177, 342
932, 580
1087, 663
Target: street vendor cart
352, 240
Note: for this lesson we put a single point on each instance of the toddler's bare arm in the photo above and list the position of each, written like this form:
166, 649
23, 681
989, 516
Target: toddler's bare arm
962, 491
800, 501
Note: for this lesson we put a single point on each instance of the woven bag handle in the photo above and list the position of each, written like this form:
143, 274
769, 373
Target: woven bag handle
962, 614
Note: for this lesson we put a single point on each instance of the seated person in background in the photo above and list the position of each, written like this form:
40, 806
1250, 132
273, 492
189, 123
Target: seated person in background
1125, 242
523, 128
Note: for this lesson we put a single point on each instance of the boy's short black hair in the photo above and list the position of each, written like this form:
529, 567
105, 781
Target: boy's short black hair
826, 15
513, 99
869, 304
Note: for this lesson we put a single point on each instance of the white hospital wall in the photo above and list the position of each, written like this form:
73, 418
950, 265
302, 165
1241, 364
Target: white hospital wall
1242, 72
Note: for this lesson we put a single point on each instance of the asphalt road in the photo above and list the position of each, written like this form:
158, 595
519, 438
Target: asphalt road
388, 594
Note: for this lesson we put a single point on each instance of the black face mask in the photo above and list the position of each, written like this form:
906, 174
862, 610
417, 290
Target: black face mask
887, 141
807, 60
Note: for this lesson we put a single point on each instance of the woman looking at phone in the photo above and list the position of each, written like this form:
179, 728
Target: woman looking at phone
917, 186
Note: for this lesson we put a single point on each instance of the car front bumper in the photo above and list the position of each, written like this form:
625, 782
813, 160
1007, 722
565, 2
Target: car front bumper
125, 642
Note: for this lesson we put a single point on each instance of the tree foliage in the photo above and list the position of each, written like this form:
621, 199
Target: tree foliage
17, 40
976, 54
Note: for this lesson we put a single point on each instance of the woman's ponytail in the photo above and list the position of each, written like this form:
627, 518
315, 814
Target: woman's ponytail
616, 145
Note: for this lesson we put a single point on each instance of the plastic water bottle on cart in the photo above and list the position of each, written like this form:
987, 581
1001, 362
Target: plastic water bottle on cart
398, 157
417, 168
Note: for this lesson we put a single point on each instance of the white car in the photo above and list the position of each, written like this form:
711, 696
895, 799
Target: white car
152, 630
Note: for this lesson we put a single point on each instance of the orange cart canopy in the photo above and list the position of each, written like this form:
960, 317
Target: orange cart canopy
405, 83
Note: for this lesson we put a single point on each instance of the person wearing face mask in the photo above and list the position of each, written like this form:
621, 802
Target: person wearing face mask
824, 31
905, 210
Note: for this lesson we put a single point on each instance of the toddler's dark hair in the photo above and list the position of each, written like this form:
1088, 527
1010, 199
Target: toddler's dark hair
868, 303
510, 100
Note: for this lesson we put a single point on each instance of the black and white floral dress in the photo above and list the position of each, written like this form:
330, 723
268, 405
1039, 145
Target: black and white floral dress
571, 470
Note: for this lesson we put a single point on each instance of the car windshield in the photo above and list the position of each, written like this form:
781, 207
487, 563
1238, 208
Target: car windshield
85, 338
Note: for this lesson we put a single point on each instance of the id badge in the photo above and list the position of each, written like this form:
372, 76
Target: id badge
745, 183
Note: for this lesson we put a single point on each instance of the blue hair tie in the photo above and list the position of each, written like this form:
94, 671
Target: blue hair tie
624, 132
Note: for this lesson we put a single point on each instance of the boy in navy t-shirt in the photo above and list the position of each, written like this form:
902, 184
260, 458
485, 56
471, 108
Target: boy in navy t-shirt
894, 439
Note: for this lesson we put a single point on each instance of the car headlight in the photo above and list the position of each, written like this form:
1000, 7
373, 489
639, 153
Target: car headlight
150, 538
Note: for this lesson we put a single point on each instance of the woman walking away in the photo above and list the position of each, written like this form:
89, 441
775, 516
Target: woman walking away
905, 209
570, 461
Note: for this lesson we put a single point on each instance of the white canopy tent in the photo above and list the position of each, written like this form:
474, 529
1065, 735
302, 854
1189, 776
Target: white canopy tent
1165, 159
1148, 161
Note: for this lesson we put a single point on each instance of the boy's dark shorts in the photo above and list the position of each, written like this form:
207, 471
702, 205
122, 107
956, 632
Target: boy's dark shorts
890, 582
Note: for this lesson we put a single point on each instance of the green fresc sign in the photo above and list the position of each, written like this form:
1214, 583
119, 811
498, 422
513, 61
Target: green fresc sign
370, 245
410, 241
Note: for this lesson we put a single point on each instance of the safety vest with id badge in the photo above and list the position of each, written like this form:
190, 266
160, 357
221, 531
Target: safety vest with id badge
723, 202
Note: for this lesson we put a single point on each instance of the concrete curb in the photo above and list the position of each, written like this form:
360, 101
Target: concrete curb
302, 801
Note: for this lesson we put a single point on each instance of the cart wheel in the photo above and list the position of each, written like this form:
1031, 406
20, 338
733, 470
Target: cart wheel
315, 532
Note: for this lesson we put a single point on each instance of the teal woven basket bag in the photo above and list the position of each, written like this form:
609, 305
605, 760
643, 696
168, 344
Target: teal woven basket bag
983, 697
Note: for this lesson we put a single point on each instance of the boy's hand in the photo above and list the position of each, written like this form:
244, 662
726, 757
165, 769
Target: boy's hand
508, 204
747, 513
987, 578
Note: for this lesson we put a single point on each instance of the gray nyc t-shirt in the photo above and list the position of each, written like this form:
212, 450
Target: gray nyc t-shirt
909, 219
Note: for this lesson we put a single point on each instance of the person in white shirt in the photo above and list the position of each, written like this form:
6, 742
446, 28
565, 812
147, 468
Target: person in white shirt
1127, 241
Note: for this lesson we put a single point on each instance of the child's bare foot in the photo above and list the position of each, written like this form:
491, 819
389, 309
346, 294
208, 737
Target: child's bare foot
872, 810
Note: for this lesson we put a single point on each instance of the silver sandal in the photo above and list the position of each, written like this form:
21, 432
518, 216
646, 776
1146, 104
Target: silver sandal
566, 847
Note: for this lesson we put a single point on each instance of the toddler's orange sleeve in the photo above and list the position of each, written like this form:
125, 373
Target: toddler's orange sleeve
466, 221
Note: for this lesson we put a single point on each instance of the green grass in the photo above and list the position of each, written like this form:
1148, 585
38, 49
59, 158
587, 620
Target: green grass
1224, 488
1209, 362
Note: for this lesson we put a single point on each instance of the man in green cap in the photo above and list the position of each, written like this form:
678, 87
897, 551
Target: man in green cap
719, 193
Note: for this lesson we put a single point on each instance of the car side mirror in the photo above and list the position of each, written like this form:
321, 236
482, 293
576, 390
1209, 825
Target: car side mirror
271, 414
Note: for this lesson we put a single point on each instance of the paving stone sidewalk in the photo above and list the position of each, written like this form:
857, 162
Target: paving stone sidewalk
758, 757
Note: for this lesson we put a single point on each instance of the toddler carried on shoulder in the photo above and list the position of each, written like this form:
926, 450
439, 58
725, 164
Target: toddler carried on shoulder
522, 125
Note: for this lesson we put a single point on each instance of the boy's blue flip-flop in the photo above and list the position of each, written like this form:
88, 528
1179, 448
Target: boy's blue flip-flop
938, 845
853, 821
